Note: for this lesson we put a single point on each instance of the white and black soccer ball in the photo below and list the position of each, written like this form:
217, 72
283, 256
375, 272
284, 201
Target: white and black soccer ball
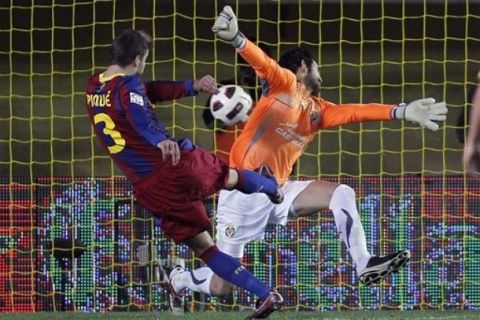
231, 105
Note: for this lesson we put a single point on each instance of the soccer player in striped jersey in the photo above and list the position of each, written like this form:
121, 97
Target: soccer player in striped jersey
279, 129
170, 177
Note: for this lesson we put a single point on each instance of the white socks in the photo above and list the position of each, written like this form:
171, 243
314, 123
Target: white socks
349, 226
197, 280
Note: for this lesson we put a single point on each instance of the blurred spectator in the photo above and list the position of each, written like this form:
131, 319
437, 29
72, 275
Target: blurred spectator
471, 153
464, 116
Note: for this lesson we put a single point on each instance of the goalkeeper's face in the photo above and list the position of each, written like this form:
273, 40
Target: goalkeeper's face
313, 79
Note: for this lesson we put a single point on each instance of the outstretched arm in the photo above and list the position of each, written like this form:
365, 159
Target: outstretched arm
340, 114
159, 90
425, 112
422, 111
266, 68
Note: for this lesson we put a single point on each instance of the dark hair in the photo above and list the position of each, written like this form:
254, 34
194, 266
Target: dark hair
128, 45
292, 59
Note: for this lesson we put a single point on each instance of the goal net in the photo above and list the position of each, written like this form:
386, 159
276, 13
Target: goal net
71, 237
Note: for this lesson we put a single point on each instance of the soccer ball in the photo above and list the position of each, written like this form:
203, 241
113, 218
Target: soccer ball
231, 105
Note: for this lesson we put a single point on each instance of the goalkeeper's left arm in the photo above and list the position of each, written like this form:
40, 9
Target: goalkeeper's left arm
425, 112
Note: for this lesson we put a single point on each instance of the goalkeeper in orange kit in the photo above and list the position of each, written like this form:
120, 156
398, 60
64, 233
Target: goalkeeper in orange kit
285, 120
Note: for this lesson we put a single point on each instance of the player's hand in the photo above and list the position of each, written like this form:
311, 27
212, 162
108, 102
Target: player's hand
424, 112
226, 28
169, 148
206, 84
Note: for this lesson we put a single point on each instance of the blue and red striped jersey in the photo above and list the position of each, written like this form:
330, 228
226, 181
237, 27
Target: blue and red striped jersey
120, 108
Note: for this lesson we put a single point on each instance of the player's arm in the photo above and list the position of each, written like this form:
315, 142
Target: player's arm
266, 68
140, 115
340, 114
160, 90
423, 112
471, 151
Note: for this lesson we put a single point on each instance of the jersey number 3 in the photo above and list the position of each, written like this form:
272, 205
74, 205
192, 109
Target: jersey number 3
109, 130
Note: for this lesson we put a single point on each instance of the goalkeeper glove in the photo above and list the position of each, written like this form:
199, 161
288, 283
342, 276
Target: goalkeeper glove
422, 111
226, 28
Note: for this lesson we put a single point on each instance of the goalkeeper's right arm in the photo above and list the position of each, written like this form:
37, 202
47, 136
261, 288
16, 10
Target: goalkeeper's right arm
226, 27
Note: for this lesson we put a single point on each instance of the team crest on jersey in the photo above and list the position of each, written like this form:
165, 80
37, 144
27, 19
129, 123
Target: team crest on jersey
229, 231
136, 98
315, 118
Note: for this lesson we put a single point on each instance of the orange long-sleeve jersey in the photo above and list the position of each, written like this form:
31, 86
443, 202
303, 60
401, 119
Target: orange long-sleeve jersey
286, 119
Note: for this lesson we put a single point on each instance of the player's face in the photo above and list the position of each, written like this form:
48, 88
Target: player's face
141, 65
313, 79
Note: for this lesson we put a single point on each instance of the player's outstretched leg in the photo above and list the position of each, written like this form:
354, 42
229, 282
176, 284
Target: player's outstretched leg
278, 196
250, 182
231, 270
199, 281
379, 267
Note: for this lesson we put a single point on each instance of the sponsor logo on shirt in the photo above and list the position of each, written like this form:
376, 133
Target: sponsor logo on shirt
287, 131
136, 98
288, 125
229, 231
315, 118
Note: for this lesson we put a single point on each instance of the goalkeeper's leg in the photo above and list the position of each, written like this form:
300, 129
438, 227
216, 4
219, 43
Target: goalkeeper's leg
379, 267
370, 269
344, 209
340, 199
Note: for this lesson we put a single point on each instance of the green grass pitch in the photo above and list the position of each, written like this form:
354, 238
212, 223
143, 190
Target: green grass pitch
288, 315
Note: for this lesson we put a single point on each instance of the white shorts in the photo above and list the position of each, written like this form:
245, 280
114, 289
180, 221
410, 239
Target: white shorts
242, 218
